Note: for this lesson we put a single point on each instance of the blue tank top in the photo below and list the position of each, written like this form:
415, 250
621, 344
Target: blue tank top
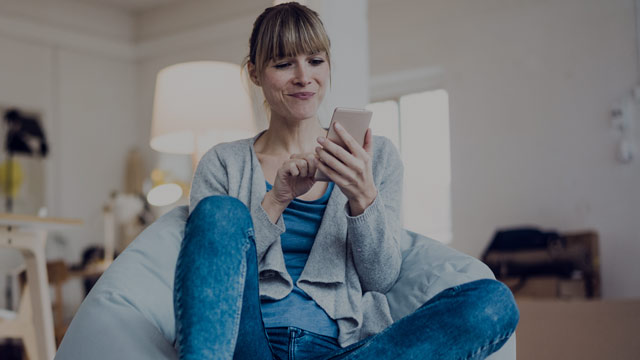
302, 221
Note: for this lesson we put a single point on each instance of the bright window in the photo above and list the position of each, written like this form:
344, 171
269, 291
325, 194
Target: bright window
418, 124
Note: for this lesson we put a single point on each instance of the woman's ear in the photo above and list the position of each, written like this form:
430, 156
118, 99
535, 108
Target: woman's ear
252, 74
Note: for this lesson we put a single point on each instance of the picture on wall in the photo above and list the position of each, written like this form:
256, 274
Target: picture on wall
24, 149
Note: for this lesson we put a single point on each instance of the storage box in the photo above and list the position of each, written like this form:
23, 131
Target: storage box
578, 329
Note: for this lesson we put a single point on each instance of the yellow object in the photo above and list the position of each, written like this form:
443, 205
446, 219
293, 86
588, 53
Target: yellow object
11, 186
157, 177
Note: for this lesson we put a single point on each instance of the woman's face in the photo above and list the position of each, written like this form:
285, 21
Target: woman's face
294, 87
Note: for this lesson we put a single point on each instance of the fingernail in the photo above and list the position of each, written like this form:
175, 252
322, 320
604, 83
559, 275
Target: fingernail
338, 126
320, 139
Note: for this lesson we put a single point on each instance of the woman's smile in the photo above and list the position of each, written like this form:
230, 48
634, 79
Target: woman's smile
302, 95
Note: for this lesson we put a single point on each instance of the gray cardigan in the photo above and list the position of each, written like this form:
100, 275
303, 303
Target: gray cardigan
353, 261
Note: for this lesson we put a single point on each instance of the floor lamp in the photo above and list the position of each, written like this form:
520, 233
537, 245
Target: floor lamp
197, 105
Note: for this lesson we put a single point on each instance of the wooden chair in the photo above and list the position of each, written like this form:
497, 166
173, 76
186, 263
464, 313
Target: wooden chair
33, 323
19, 325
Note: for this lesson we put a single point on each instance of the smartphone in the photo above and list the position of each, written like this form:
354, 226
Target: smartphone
355, 121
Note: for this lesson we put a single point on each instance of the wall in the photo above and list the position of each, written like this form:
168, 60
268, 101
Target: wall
74, 64
531, 85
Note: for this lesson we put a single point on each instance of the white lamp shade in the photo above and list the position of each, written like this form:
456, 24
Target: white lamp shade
198, 104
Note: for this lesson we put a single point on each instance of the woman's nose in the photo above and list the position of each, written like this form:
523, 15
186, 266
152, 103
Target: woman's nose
302, 75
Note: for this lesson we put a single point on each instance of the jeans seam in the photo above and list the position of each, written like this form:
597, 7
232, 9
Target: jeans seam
484, 347
178, 300
240, 283
292, 344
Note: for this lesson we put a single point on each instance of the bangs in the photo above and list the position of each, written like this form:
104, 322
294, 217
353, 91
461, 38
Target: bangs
294, 38
289, 33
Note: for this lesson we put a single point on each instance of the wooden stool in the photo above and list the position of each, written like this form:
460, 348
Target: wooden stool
34, 321
20, 325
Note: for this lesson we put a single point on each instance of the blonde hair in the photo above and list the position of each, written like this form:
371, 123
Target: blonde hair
286, 30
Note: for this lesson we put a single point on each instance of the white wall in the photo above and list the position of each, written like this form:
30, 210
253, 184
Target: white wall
531, 85
75, 64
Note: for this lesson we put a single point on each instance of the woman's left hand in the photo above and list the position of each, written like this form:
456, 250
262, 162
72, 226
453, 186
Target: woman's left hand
351, 170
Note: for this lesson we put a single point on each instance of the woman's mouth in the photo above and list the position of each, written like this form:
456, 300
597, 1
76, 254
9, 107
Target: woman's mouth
302, 95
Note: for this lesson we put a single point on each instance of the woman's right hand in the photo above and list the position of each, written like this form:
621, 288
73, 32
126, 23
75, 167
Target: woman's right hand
294, 178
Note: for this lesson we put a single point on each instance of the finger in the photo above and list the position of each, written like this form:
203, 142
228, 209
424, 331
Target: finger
332, 174
292, 169
311, 163
302, 166
352, 144
299, 165
368, 142
334, 163
338, 152
354, 166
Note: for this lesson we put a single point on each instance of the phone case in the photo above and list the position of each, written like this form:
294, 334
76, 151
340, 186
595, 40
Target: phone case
355, 121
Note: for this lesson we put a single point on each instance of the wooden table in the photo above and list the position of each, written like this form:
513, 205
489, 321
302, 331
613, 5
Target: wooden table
29, 234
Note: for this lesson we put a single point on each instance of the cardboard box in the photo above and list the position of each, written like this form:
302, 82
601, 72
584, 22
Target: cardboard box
578, 329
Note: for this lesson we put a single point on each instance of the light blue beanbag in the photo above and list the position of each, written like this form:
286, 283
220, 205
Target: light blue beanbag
129, 312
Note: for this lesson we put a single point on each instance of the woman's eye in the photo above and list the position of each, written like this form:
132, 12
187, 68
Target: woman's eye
317, 61
282, 65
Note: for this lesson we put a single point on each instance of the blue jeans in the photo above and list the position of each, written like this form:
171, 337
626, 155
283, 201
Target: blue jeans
217, 305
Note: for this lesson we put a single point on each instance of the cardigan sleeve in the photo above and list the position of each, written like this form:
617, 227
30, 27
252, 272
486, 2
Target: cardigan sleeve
267, 233
374, 235
209, 179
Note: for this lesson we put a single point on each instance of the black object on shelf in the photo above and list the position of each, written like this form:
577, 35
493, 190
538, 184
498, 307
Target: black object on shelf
527, 252
22, 132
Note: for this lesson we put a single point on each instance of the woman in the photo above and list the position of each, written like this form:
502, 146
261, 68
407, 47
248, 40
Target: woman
275, 265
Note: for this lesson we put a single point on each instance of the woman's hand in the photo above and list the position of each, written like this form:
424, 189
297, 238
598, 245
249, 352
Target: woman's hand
294, 178
351, 170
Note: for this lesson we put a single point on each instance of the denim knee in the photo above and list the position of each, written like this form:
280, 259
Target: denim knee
496, 309
219, 214
217, 208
